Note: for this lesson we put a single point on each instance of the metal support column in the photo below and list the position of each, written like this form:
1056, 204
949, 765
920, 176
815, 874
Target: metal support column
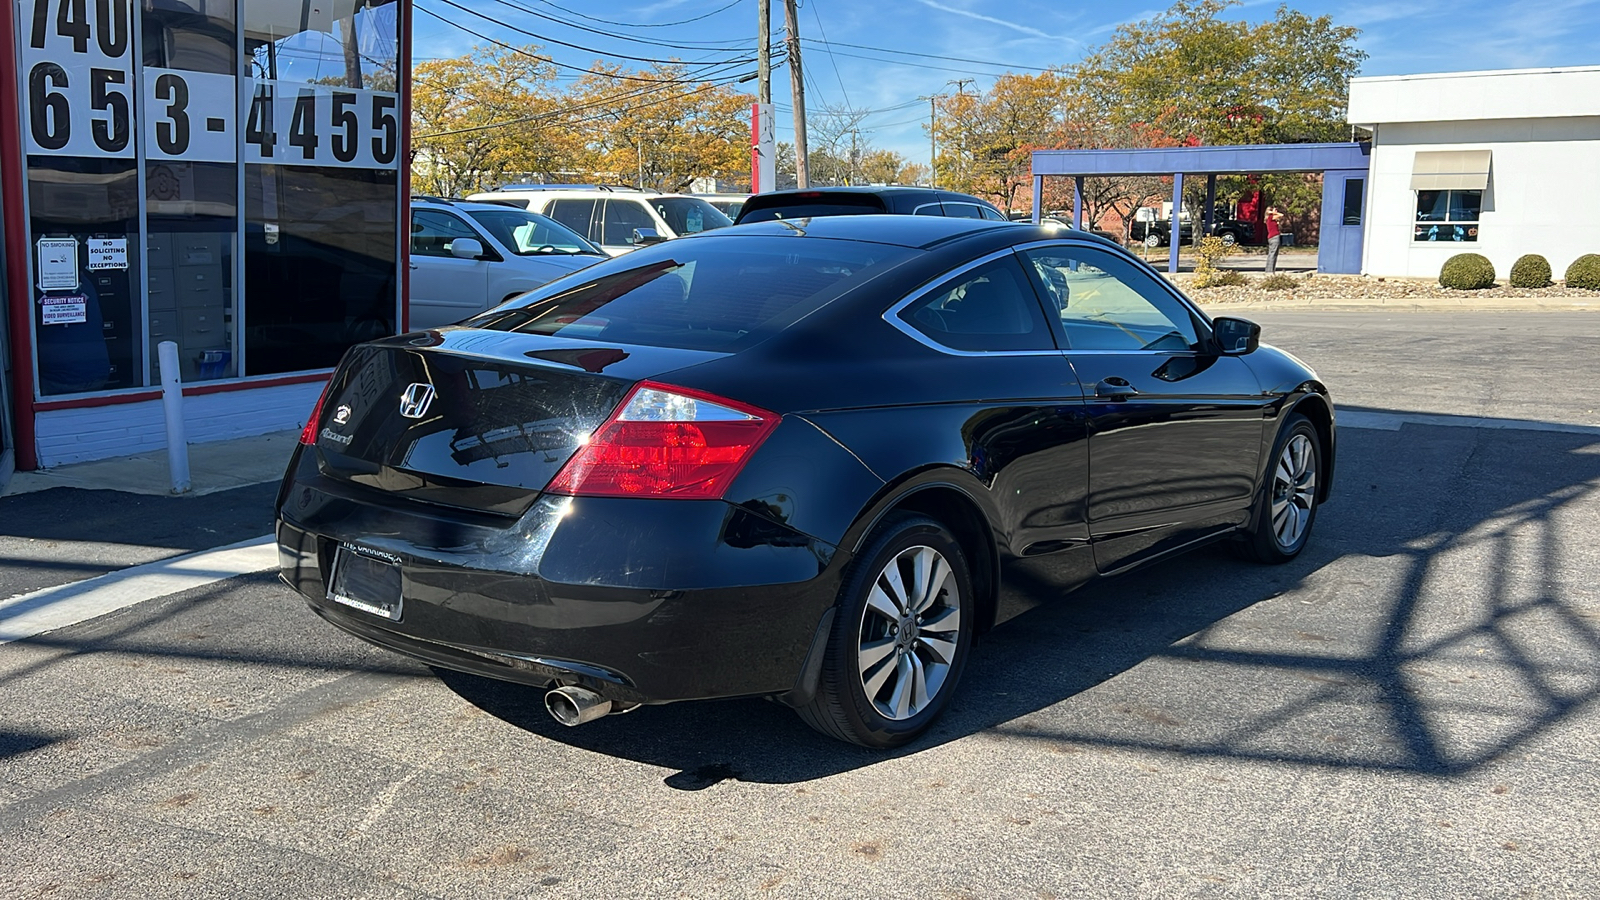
1077, 202
1175, 236
1038, 197
1211, 201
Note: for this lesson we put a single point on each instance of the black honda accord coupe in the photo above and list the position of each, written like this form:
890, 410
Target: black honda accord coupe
808, 460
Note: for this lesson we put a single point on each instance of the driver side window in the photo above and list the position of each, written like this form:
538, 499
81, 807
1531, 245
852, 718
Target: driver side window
1104, 303
433, 232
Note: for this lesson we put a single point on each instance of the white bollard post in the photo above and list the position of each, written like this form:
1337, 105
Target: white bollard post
172, 402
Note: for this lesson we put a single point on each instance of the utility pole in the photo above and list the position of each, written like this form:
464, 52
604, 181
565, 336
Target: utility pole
797, 88
933, 139
961, 91
764, 51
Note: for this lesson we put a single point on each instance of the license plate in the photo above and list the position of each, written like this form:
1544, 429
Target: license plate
366, 580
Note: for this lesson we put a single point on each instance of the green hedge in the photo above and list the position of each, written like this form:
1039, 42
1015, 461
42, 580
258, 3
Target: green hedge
1467, 272
1530, 271
1585, 272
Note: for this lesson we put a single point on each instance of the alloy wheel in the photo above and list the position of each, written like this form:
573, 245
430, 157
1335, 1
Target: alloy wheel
1294, 490
910, 631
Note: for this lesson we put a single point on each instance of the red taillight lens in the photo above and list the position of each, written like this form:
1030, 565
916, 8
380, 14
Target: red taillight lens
308, 434
666, 441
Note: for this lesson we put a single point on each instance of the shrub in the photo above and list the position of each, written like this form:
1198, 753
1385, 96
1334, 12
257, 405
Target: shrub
1210, 249
1467, 272
1530, 271
1230, 278
1277, 283
1585, 272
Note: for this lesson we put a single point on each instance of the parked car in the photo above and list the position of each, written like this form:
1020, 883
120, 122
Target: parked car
1064, 220
807, 463
853, 201
467, 257
728, 204
619, 219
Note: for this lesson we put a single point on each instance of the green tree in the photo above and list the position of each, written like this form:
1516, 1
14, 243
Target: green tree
1191, 74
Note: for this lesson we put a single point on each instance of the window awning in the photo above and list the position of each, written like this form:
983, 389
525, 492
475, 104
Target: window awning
1450, 170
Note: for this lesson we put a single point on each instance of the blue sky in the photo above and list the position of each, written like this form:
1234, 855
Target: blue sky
1400, 38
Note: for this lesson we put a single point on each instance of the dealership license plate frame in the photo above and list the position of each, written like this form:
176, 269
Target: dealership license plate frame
368, 580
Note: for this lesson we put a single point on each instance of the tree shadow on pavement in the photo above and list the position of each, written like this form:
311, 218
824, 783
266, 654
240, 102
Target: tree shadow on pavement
1441, 616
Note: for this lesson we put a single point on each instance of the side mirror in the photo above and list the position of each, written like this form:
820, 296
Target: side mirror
1236, 337
466, 248
646, 236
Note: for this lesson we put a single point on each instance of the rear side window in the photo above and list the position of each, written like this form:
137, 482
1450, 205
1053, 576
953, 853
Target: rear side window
990, 308
705, 294
574, 214
962, 210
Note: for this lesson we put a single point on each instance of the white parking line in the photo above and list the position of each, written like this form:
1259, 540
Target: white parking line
67, 604
1390, 421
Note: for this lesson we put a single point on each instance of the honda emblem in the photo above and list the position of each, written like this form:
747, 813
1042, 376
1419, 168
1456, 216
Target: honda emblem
415, 401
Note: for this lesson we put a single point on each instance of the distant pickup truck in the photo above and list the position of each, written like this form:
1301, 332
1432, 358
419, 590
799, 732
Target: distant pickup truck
1158, 232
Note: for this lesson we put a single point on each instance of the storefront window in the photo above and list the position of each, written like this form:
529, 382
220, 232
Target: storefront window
321, 181
1448, 215
191, 183
223, 174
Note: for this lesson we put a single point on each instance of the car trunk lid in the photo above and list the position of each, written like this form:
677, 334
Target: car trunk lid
474, 419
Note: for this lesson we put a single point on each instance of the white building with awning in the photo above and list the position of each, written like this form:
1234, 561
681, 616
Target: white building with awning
1500, 163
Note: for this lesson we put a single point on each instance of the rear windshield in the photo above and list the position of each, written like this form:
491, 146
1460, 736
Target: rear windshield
710, 294
792, 208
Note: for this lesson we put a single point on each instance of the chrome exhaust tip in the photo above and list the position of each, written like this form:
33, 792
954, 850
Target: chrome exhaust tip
573, 706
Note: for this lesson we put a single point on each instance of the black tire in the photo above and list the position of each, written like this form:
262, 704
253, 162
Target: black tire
1151, 239
842, 708
1265, 539
1229, 238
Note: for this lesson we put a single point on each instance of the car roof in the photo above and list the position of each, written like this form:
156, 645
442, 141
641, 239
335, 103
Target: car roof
630, 193
917, 232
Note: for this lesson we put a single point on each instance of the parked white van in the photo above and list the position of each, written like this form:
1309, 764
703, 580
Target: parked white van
619, 219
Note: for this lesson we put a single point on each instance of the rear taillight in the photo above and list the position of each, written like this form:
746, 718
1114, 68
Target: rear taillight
666, 441
308, 434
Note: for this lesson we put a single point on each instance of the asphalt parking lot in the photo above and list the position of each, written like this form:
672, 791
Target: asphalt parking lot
1407, 710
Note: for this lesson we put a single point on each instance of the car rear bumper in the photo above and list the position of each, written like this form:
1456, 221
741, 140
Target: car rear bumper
642, 601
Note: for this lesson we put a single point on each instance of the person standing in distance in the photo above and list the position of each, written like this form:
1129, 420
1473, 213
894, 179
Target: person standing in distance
1274, 237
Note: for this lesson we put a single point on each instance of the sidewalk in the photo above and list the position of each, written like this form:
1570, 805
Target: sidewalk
218, 466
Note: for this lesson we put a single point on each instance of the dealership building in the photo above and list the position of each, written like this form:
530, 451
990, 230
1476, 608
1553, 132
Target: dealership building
1499, 163
228, 175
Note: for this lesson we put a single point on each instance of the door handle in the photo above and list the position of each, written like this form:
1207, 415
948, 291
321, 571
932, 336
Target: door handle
1114, 388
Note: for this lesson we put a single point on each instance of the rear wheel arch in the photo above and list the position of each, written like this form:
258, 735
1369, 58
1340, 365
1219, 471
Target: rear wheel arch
958, 511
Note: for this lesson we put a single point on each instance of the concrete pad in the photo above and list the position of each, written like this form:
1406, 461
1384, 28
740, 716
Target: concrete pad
213, 467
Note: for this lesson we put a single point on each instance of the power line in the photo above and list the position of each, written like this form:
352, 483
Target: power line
541, 37
831, 60
683, 45
555, 62
962, 59
580, 15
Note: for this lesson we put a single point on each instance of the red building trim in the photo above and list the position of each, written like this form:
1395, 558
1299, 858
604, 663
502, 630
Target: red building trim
192, 390
16, 288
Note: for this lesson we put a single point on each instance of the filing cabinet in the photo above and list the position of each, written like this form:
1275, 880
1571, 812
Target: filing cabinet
192, 302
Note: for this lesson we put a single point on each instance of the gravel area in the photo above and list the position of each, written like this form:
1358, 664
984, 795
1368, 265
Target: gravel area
1345, 287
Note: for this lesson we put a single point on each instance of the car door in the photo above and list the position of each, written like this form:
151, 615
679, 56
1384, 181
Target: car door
444, 288
619, 219
1175, 427
1025, 433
